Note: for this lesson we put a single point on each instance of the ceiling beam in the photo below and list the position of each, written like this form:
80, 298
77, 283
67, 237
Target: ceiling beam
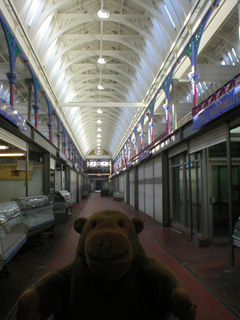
103, 105
213, 73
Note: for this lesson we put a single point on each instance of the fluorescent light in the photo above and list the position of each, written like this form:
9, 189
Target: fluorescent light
102, 60
99, 144
12, 154
99, 121
98, 140
99, 129
103, 13
170, 17
99, 111
100, 86
99, 136
3, 147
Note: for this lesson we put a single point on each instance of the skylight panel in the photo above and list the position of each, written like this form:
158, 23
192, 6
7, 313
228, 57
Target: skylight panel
200, 86
230, 58
170, 17
235, 54
205, 85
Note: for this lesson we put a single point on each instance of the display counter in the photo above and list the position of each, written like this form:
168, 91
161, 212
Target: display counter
62, 205
13, 231
37, 212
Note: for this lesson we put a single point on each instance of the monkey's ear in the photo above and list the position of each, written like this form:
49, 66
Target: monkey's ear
138, 224
79, 223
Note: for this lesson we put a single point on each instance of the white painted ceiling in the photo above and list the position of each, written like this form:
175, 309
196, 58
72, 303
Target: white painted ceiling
141, 41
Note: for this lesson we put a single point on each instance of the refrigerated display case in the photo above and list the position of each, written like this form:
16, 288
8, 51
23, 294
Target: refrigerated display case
13, 231
37, 212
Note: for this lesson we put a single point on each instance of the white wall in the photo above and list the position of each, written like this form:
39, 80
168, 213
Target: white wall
73, 185
131, 188
158, 189
141, 188
149, 194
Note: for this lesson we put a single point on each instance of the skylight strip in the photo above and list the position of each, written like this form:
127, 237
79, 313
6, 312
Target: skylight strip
170, 17
235, 54
230, 57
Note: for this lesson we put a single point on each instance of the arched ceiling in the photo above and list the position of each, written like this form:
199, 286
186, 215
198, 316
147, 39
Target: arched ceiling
140, 40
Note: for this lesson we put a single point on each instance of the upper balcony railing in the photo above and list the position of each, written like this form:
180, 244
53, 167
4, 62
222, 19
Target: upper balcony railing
230, 85
217, 95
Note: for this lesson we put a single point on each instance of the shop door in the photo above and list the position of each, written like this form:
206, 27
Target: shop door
98, 184
219, 203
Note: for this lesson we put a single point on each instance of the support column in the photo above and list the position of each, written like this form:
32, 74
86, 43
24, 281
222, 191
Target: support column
151, 128
167, 108
239, 21
29, 114
142, 140
135, 147
58, 139
194, 79
50, 125
12, 77
36, 108
174, 102
130, 151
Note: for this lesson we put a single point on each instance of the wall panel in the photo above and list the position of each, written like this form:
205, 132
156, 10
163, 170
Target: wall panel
158, 189
73, 184
141, 187
149, 193
131, 188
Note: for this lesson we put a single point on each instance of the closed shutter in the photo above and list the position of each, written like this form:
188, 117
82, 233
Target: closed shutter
12, 139
177, 150
208, 139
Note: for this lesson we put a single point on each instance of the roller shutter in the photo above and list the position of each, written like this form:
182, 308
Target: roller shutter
12, 139
208, 139
157, 175
141, 188
131, 188
177, 150
148, 185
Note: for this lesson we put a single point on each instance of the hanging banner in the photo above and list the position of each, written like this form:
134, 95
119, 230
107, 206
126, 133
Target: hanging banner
9, 172
229, 101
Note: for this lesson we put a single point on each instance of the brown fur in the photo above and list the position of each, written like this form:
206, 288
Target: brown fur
111, 278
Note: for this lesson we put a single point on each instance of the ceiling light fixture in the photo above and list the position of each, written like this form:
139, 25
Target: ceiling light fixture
12, 154
99, 129
98, 140
99, 144
3, 147
100, 86
99, 136
99, 111
103, 13
102, 60
99, 121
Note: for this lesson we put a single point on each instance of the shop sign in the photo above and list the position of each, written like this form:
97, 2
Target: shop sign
229, 101
144, 155
10, 172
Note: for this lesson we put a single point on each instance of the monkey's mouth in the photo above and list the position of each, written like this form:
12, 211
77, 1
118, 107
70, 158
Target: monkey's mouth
109, 257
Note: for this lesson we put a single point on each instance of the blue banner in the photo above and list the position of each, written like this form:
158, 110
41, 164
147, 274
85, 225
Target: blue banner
229, 101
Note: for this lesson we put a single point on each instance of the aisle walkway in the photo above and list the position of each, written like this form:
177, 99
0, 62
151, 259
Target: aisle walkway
201, 270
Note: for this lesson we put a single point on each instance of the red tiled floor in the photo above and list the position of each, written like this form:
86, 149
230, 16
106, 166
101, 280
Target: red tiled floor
204, 271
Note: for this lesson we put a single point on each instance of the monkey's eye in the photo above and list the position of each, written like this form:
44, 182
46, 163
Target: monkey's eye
121, 224
94, 224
